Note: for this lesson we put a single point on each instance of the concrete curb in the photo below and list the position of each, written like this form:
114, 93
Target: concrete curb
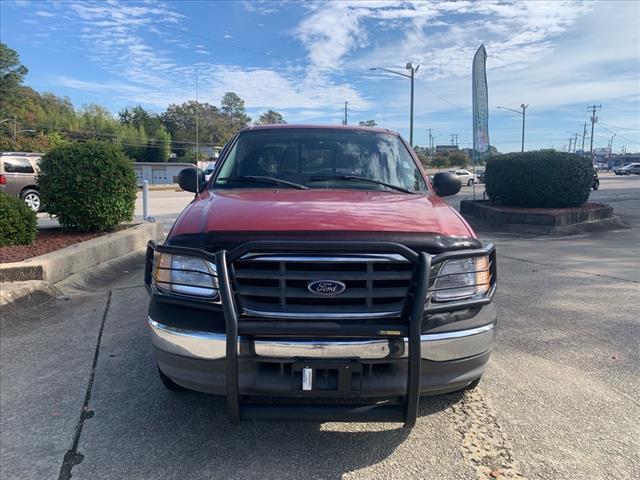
571, 221
170, 187
56, 266
27, 293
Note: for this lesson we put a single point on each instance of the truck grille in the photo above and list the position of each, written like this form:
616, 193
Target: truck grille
275, 285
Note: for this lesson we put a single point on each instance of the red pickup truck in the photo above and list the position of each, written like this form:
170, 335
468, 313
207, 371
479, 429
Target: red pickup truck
319, 265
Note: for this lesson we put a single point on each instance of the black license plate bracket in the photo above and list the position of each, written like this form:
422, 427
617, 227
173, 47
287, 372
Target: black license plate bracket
327, 379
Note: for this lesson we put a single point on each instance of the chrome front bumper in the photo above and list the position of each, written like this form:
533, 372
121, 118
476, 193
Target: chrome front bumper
437, 347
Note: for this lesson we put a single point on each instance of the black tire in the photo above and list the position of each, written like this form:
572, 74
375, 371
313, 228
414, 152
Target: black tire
170, 384
596, 185
628, 172
470, 182
32, 199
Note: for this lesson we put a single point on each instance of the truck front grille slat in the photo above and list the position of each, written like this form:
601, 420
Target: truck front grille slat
297, 292
243, 273
271, 284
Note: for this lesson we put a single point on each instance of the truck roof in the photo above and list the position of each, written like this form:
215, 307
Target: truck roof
281, 126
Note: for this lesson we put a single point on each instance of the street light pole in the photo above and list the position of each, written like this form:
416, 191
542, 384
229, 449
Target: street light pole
410, 67
411, 76
524, 109
523, 113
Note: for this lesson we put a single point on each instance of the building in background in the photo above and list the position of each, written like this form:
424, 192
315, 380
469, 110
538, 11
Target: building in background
159, 173
446, 149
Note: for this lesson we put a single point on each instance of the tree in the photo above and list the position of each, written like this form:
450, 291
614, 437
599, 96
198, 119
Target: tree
134, 142
440, 161
423, 159
12, 72
159, 147
234, 115
180, 122
458, 160
270, 117
368, 123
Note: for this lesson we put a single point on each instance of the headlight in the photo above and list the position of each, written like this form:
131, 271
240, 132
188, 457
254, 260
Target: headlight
185, 275
458, 279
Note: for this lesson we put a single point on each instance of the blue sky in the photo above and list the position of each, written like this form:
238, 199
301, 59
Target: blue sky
306, 59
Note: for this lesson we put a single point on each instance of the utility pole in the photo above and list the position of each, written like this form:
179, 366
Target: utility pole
570, 140
611, 144
430, 145
344, 122
14, 130
593, 109
575, 142
454, 139
584, 134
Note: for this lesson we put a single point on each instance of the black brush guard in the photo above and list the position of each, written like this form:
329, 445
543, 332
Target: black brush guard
419, 304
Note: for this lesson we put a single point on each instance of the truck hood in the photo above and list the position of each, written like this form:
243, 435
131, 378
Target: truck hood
319, 210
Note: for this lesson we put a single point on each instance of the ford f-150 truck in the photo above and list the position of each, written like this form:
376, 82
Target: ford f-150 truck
320, 265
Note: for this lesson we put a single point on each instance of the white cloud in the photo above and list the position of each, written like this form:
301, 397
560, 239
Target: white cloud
440, 35
153, 76
44, 13
263, 7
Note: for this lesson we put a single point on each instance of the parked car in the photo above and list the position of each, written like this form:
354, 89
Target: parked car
466, 177
628, 169
18, 172
209, 170
320, 263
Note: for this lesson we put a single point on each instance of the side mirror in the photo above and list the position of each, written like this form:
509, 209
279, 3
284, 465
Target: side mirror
446, 184
192, 180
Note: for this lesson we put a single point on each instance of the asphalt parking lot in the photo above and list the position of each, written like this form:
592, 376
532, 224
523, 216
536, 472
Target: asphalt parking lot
560, 399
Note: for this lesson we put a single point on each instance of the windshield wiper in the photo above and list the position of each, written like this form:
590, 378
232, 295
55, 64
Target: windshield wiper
261, 179
355, 178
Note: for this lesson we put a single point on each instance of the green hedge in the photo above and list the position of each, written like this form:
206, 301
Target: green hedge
18, 223
539, 179
88, 186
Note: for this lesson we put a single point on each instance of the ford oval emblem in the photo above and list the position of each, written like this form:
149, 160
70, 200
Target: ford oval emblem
326, 287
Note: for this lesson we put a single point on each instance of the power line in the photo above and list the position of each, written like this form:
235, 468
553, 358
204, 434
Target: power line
618, 135
423, 82
129, 141
106, 134
620, 128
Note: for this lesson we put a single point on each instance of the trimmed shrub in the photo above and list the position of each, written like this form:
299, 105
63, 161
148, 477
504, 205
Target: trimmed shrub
88, 186
539, 179
18, 223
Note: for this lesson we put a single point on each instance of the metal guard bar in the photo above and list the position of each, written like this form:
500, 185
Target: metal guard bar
413, 314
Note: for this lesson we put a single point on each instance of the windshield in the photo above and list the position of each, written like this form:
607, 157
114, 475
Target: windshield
320, 159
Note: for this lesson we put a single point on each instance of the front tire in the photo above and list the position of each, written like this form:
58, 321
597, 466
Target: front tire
627, 172
32, 199
470, 182
596, 185
170, 384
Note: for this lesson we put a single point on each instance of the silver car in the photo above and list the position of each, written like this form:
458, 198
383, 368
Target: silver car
18, 172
